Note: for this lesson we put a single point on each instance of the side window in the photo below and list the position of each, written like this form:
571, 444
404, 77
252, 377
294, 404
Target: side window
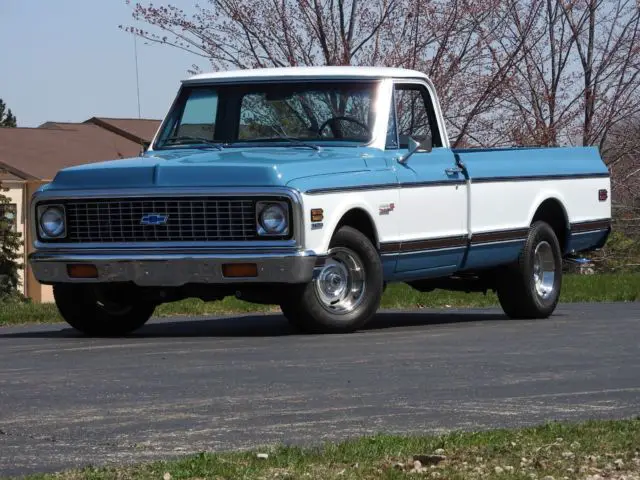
415, 115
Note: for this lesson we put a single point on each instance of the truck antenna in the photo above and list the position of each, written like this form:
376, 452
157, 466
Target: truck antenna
135, 54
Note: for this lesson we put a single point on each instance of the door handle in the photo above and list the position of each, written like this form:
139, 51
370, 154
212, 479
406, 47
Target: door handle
452, 170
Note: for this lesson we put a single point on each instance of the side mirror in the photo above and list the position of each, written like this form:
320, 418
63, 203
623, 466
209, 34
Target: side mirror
424, 145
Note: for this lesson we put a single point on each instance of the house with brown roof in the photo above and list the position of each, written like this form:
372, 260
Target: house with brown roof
30, 157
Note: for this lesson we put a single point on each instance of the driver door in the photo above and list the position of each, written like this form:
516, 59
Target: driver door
432, 213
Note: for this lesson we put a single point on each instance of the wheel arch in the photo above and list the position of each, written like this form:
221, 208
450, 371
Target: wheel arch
552, 211
361, 220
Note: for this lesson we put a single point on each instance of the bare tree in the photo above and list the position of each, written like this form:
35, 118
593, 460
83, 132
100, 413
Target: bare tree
578, 76
262, 33
607, 44
623, 149
540, 101
459, 43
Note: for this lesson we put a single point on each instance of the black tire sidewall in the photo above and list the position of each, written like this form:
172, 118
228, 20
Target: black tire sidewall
78, 306
542, 232
311, 315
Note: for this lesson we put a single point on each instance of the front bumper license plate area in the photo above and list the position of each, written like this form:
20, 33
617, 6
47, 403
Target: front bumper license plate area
150, 273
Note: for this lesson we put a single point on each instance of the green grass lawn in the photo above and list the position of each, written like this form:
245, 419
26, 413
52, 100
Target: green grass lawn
581, 451
576, 288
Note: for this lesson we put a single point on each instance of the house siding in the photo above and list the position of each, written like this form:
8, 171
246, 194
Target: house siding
30, 157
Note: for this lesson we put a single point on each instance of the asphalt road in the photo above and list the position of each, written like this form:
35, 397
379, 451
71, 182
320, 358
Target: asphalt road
189, 385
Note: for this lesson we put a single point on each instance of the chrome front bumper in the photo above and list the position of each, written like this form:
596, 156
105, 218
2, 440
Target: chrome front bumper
173, 269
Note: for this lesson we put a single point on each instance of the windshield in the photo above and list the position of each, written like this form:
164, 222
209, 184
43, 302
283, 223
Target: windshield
292, 113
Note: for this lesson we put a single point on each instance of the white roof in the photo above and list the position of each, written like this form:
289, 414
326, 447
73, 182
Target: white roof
308, 72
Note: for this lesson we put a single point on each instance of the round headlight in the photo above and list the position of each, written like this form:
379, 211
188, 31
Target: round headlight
273, 219
52, 222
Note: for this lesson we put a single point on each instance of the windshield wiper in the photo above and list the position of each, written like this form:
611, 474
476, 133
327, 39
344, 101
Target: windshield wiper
189, 139
301, 143
283, 135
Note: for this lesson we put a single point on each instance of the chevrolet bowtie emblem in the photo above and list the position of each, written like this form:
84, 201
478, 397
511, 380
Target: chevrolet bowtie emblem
154, 219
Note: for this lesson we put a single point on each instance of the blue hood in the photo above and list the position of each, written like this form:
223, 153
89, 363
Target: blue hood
255, 166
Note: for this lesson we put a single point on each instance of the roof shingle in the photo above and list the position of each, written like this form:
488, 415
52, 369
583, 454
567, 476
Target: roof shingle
38, 153
136, 130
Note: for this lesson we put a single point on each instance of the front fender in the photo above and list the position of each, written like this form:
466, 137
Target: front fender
338, 194
318, 240
336, 205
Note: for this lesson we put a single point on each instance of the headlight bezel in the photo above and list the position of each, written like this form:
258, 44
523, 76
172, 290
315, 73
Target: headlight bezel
41, 211
261, 207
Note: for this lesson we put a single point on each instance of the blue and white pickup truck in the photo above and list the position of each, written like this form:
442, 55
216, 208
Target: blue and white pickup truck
312, 188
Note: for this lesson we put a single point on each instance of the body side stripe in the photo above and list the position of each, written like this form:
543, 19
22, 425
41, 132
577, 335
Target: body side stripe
385, 186
355, 188
477, 239
423, 244
591, 225
455, 182
454, 242
533, 178
499, 236
434, 183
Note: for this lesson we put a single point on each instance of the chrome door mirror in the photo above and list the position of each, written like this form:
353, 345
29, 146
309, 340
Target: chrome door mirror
424, 145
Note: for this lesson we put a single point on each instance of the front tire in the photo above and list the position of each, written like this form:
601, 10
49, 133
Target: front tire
346, 292
97, 312
531, 287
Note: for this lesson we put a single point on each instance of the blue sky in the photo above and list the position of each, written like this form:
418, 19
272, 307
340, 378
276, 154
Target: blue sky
67, 60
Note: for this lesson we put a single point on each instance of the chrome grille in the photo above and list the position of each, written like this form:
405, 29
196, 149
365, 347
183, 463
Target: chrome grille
187, 219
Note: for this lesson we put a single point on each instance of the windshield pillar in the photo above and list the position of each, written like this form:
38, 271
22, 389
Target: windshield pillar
382, 109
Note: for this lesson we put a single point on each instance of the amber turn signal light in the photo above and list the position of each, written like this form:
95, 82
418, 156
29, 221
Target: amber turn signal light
317, 215
81, 270
233, 270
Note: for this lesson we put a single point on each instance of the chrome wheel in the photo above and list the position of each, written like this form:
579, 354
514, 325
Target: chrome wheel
544, 270
340, 284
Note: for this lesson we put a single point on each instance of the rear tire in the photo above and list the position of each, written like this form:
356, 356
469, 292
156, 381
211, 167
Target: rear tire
531, 287
347, 291
94, 312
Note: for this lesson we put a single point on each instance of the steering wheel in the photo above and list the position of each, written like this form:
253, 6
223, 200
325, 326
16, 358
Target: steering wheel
332, 121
